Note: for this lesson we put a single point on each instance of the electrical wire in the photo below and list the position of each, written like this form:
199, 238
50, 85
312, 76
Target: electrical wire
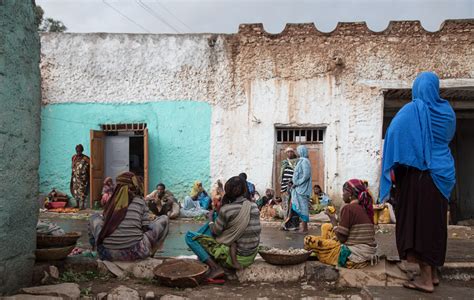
156, 15
126, 17
173, 15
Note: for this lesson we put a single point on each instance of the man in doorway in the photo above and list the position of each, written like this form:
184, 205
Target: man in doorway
79, 184
288, 165
162, 202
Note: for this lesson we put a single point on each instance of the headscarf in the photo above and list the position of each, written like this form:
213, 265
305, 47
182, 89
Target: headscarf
419, 137
358, 190
128, 187
234, 188
196, 189
107, 179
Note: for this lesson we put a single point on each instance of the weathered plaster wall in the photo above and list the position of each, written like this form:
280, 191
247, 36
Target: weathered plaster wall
179, 140
298, 77
19, 142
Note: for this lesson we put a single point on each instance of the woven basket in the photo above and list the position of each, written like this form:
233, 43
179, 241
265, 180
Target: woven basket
51, 241
53, 253
181, 273
282, 259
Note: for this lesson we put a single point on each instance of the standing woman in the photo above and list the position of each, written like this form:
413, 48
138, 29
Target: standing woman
301, 188
416, 151
79, 185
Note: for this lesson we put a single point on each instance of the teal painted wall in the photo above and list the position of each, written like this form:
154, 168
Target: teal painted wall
20, 102
179, 140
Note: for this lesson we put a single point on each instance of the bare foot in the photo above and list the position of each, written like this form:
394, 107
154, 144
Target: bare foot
419, 286
435, 279
215, 273
434, 276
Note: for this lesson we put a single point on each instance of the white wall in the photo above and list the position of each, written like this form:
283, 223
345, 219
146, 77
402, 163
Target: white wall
288, 79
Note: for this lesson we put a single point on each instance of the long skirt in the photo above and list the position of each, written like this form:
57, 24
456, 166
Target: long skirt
329, 250
205, 246
421, 213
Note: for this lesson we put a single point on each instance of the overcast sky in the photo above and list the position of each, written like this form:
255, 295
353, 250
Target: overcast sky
224, 16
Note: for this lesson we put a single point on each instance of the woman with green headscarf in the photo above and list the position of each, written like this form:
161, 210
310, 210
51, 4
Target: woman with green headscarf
197, 203
127, 231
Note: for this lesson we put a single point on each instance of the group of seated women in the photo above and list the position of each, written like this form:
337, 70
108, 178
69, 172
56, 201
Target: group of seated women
128, 231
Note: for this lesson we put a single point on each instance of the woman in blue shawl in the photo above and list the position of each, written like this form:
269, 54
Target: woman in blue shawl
417, 156
301, 188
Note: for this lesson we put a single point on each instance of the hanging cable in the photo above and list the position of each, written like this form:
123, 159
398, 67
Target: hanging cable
154, 14
173, 15
126, 17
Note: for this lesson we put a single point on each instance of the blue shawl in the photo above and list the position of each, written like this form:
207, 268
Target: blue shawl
419, 136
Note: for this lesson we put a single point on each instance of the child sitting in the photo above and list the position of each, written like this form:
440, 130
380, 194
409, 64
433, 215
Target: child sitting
107, 191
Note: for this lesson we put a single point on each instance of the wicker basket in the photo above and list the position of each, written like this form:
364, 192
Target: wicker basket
51, 241
53, 253
181, 273
282, 259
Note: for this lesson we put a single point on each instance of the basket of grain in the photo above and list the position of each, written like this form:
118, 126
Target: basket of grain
289, 256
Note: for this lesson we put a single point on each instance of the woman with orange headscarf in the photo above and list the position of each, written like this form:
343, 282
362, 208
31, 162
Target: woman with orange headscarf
127, 231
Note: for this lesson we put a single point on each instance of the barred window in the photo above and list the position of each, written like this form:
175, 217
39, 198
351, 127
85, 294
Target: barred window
312, 135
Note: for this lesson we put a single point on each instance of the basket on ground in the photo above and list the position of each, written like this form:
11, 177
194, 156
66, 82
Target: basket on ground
53, 253
181, 273
283, 259
51, 241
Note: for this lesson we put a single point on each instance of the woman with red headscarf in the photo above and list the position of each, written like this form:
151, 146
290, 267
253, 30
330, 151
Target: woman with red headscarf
351, 242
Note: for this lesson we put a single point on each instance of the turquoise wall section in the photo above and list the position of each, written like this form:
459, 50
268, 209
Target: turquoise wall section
179, 140
20, 102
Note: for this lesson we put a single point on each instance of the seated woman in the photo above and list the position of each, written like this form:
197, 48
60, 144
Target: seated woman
351, 243
319, 200
162, 202
237, 222
107, 191
217, 192
197, 203
127, 231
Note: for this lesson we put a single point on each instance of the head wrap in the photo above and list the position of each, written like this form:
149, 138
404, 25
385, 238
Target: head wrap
419, 137
196, 189
358, 190
128, 187
234, 188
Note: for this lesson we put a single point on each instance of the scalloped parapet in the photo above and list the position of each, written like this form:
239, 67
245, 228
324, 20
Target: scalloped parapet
360, 28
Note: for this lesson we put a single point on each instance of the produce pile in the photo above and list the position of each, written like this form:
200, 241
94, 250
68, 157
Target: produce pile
289, 251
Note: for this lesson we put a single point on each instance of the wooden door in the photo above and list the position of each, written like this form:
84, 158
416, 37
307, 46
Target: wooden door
97, 165
316, 157
145, 160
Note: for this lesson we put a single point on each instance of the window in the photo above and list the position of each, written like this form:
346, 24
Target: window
123, 127
312, 135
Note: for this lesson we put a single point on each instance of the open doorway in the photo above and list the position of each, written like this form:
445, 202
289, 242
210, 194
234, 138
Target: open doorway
115, 149
462, 100
312, 138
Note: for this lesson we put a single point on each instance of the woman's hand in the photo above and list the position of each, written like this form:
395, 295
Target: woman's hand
332, 217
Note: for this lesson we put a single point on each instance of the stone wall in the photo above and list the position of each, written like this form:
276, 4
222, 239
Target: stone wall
254, 80
19, 142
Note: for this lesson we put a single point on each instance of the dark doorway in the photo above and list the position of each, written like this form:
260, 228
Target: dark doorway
137, 155
462, 146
